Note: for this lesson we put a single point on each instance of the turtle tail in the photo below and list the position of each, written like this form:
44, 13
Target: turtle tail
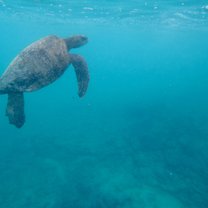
2, 88
15, 109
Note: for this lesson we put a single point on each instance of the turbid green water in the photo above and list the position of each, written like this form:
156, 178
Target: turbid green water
139, 137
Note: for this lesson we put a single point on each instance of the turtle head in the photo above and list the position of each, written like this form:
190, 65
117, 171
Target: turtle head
76, 41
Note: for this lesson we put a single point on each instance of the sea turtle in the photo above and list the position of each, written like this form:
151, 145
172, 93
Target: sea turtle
37, 66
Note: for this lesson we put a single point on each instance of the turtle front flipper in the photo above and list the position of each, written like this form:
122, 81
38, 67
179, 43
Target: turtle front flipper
15, 109
82, 73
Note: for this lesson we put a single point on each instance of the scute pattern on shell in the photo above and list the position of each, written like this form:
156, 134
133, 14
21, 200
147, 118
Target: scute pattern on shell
38, 65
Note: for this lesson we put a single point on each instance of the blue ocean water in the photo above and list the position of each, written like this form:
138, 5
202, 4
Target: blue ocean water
139, 137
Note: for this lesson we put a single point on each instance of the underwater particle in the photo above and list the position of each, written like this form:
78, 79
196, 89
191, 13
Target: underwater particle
205, 7
170, 173
182, 4
88, 8
49, 14
134, 11
155, 7
120, 9
37, 66
180, 15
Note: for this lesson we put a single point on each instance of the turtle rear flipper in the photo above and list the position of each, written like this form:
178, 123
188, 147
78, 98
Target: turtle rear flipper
82, 73
15, 109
